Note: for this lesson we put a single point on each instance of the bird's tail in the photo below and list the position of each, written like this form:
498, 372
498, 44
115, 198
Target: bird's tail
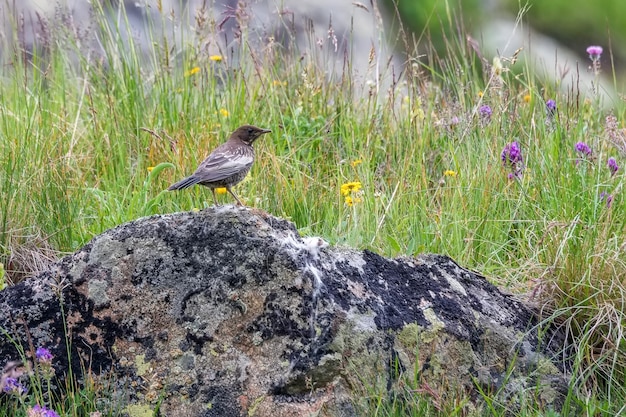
185, 183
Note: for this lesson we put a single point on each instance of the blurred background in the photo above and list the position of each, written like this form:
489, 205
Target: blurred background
553, 34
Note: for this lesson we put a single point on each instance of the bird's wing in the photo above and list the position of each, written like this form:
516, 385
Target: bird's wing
223, 163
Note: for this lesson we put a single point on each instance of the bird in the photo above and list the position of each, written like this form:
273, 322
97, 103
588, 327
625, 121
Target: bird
227, 165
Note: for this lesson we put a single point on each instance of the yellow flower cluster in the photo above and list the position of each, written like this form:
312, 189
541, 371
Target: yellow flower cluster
192, 71
350, 187
350, 192
195, 70
351, 201
221, 191
449, 173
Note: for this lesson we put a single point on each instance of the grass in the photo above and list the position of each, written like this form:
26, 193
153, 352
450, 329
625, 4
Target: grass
89, 143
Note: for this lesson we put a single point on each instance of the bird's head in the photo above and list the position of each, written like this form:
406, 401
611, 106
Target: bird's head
248, 133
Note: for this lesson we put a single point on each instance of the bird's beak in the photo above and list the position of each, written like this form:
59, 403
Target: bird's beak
264, 131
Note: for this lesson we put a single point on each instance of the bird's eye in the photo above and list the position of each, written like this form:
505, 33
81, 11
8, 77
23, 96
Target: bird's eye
249, 131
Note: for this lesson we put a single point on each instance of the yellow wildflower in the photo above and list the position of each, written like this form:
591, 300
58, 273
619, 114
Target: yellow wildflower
280, 83
221, 190
150, 169
352, 201
350, 187
216, 58
480, 94
449, 173
356, 162
192, 71
224, 112
527, 98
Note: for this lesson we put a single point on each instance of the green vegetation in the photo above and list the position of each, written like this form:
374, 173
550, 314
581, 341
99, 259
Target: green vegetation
574, 24
89, 143
600, 22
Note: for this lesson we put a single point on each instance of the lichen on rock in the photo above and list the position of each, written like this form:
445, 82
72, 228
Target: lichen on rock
229, 311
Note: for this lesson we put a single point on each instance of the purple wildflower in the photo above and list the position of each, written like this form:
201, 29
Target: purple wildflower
583, 149
511, 154
612, 164
485, 112
594, 52
13, 386
39, 411
511, 157
43, 355
608, 197
550, 107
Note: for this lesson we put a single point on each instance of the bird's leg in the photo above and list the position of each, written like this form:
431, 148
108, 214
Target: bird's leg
214, 198
239, 203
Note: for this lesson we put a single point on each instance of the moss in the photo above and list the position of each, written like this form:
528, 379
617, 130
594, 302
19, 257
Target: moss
409, 335
430, 334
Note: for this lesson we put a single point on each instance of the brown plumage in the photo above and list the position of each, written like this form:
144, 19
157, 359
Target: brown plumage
227, 165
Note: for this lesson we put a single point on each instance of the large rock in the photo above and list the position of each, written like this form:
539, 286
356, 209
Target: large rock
229, 312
